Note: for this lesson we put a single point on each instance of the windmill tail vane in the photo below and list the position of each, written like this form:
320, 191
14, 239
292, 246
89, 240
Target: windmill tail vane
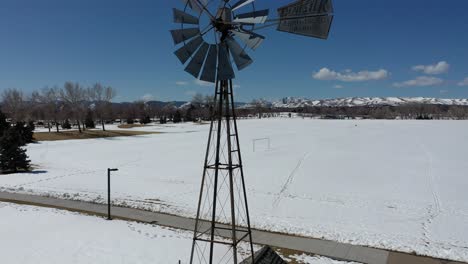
209, 50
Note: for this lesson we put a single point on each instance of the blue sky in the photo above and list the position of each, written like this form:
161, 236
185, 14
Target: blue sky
373, 49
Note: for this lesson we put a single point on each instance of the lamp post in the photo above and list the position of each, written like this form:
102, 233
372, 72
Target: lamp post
108, 193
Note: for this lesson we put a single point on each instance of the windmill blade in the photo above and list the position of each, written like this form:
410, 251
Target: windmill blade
181, 35
311, 18
186, 51
302, 8
329, 7
194, 5
251, 39
225, 71
240, 4
317, 27
209, 70
196, 64
241, 58
182, 17
257, 17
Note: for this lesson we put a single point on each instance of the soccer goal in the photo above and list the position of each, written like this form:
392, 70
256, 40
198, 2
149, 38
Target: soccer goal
261, 142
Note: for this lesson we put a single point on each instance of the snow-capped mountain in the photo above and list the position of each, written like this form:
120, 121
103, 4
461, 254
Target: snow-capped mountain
292, 102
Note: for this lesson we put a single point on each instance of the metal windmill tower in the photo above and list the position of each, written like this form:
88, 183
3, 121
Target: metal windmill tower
208, 35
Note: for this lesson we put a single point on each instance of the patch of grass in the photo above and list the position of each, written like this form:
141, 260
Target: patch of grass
127, 126
201, 123
67, 135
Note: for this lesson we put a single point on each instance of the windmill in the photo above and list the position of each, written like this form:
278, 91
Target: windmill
210, 34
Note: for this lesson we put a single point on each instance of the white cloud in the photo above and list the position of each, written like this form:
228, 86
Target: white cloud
338, 86
420, 82
236, 86
350, 76
203, 83
181, 83
464, 82
190, 93
438, 68
147, 97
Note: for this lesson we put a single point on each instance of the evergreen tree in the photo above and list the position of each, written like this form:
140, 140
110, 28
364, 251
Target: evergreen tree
177, 117
29, 132
31, 126
25, 131
66, 124
89, 122
13, 157
162, 120
4, 125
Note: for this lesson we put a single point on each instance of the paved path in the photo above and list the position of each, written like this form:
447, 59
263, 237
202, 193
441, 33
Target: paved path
331, 249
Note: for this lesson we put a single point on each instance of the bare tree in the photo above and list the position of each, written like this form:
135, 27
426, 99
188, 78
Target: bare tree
48, 99
209, 100
198, 100
37, 108
102, 97
139, 109
75, 96
153, 110
167, 112
259, 106
13, 104
458, 112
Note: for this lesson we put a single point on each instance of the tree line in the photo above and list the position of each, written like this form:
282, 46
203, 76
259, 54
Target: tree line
56, 107
409, 111
76, 106
201, 107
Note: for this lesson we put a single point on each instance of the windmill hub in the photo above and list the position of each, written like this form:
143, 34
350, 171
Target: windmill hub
221, 26
224, 14
223, 22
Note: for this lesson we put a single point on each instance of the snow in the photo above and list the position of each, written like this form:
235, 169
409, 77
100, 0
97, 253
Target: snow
43, 235
40, 235
398, 185
306, 259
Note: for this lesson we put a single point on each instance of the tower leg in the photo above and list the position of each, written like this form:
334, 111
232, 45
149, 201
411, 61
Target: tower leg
222, 215
242, 174
197, 219
216, 165
226, 94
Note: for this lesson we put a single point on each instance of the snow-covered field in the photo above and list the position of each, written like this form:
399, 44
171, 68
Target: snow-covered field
40, 235
397, 185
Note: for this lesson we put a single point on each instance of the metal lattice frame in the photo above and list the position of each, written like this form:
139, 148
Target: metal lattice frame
223, 198
222, 215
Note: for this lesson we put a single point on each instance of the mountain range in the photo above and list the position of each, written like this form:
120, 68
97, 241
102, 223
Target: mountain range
294, 102
297, 102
